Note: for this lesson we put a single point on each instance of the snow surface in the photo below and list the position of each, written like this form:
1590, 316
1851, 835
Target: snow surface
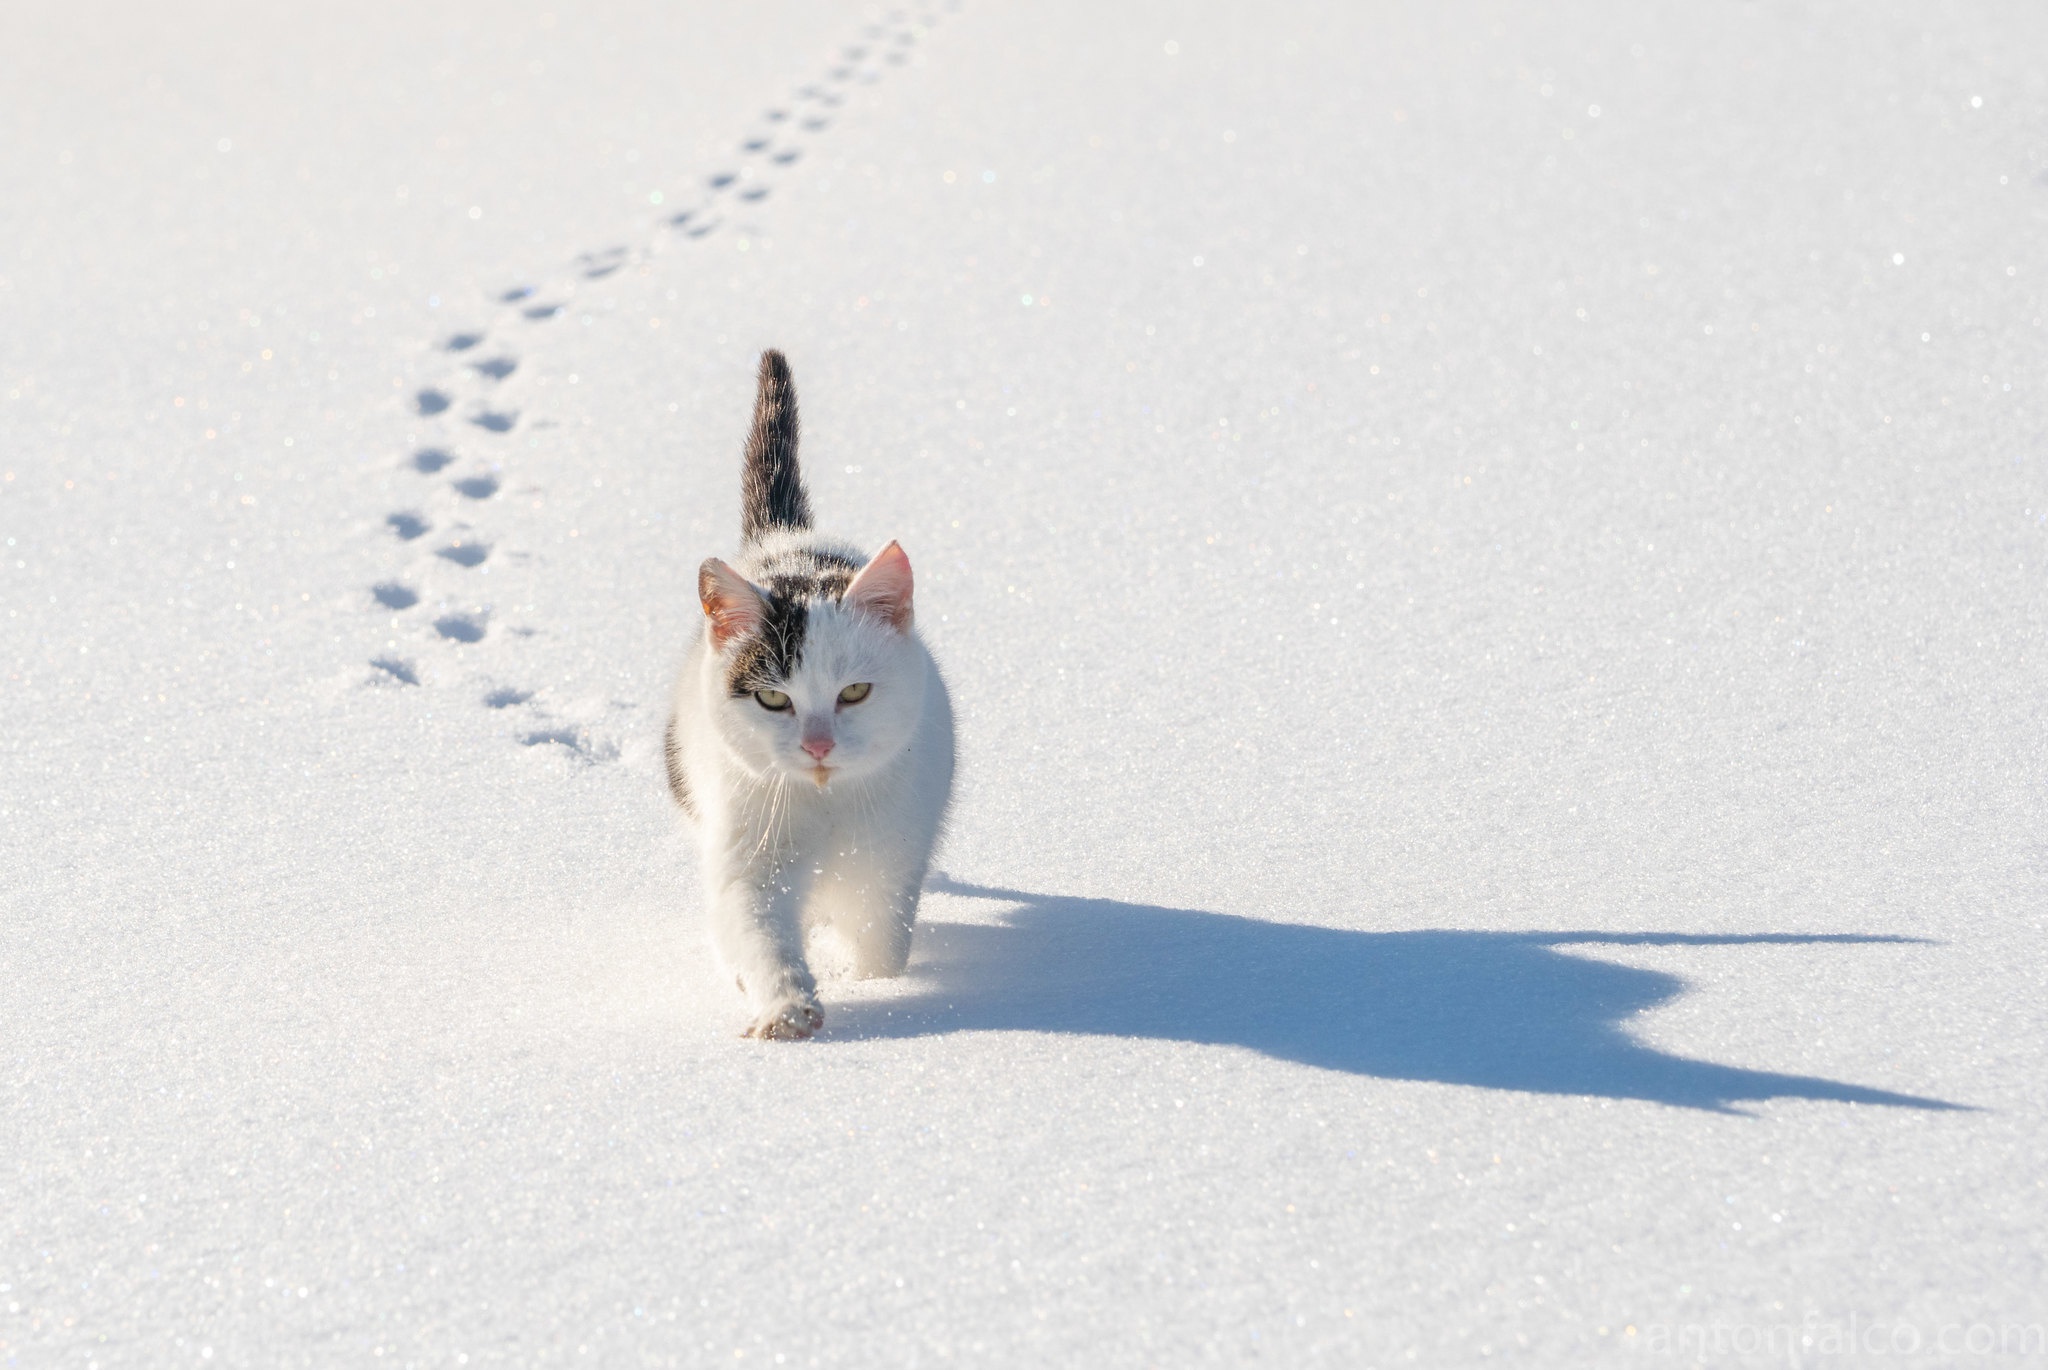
1493, 566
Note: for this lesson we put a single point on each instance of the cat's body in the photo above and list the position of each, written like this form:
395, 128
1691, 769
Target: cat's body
811, 739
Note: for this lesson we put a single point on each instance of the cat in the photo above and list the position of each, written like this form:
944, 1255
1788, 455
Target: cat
811, 739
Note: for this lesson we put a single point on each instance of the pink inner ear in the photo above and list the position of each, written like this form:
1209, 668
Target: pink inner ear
730, 601
883, 587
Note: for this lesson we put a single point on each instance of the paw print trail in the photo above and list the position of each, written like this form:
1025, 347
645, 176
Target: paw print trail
478, 406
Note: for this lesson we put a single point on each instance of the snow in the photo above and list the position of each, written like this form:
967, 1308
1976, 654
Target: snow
1491, 567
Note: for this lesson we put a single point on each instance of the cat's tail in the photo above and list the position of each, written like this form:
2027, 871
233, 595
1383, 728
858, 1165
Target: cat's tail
771, 486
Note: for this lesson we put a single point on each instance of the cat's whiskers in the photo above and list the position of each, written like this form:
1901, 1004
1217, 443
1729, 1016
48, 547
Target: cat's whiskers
761, 816
777, 802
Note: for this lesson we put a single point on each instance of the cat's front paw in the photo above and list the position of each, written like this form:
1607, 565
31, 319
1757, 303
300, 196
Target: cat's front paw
788, 1022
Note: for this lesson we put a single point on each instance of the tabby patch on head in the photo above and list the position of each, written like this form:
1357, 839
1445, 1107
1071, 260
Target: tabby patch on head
771, 653
768, 657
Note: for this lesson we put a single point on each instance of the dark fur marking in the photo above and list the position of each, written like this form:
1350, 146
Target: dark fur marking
825, 578
766, 660
771, 485
678, 783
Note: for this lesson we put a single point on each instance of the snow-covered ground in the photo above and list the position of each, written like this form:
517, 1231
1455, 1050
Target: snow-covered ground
1493, 564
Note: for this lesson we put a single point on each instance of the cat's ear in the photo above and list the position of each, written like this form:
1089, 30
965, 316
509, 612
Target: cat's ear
730, 601
883, 588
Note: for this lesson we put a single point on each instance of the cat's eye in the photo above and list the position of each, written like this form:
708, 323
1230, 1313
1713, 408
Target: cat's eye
854, 694
772, 699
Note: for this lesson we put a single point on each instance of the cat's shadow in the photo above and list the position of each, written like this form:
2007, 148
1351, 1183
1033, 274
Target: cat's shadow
1503, 1010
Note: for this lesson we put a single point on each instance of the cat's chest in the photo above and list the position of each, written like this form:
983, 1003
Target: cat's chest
842, 815
791, 816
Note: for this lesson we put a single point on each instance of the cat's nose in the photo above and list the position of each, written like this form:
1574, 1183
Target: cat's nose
818, 747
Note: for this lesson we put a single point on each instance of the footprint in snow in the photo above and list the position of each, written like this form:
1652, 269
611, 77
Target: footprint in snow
598, 265
395, 671
407, 525
561, 736
465, 554
392, 595
496, 368
495, 421
431, 402
428, 460
462, 342
476, 487
463, 628
574, 740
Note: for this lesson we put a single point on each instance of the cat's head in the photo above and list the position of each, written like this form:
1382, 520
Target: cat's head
821, 676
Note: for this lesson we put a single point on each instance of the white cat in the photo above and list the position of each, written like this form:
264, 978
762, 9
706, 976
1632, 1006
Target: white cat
811, 739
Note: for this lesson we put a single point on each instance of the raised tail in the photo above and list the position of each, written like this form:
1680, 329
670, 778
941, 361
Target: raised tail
771, 486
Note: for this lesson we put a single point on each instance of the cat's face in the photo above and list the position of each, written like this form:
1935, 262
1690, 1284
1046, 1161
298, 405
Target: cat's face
847, 708
816, 688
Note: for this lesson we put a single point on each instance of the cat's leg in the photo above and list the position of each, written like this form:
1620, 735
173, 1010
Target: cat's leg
870, 900
881, 941
881, 866
754, 913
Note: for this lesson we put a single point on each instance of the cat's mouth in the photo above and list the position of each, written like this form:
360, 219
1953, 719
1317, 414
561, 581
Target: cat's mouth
821, 774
